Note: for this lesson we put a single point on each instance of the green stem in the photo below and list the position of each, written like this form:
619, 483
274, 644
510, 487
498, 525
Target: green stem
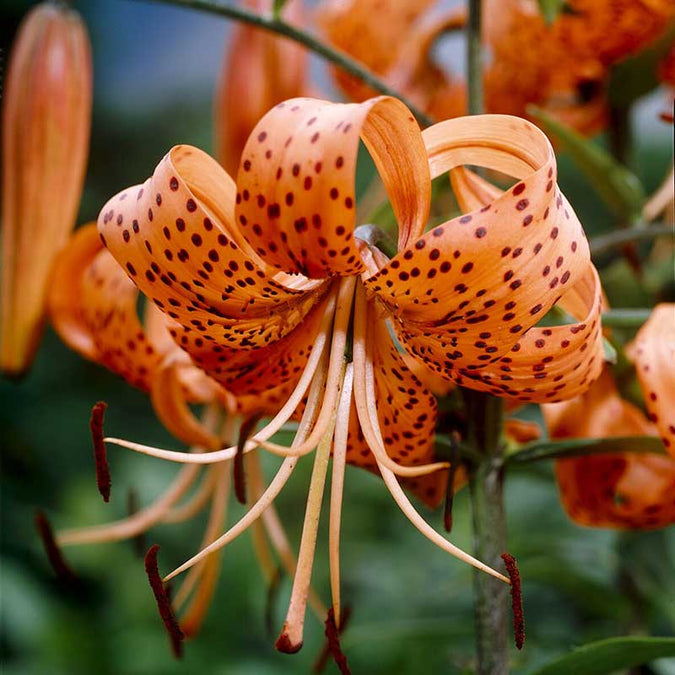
486, 483
485, 416
625, 318
280, 27
605, 242
475, 58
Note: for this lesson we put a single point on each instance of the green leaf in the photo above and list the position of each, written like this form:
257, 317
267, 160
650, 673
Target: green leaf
618, 187
607, 656
574, 447
634, 77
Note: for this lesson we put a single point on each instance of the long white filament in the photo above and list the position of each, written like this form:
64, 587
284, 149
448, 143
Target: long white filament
271, 428
337, 488
392, 483
290, 639
277, 535
366, 406
273, 489
335, 372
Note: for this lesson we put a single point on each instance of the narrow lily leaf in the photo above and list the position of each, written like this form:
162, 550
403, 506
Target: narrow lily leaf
609, 351
586, 446
550, 9
607, 656
619, 188
636, 76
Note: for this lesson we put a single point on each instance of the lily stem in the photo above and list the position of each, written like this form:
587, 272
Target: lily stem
274, 24
486, 482
486, 477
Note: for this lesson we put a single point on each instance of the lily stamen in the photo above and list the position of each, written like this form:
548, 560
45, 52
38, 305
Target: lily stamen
290, 639
336, 489
270, 494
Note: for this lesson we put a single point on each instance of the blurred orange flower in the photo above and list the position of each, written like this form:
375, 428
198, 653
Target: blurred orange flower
629, 490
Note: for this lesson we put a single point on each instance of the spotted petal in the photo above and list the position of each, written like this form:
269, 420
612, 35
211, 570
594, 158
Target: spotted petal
654, 354
297, 181
464, 295
175, 236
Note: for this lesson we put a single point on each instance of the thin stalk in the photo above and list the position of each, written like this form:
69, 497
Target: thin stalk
474, 55
274, 24
485, 417
486, 484
605, 242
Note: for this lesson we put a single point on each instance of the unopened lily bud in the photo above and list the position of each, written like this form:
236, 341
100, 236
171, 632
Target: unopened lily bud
45, 138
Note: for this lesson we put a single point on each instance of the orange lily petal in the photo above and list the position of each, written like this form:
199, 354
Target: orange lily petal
265, 372
296, 182
45, 131
368, 29
168, 400
468, 292
63, 294
625, 491
176, 238
654, 354
521, 431
419, 77
108, 306
260, 71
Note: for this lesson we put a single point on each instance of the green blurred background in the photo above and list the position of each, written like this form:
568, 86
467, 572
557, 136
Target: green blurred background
155, 70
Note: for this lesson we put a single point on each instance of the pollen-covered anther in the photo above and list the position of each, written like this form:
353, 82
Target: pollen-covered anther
516, 599
163, 602
54, 554
100, 456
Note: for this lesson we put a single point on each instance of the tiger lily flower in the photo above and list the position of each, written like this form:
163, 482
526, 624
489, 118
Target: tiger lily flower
629, 490
259, 71
268, 285
45, 132
92, 306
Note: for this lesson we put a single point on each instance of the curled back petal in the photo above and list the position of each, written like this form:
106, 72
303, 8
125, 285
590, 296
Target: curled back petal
631, 490
169, 402
464, 294
175, 237
64, 294
653, 352
296, 182
551, 363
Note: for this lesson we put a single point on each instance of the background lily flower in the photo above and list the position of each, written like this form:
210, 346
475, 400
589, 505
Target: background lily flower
263, 278
630, 490
259, 71
45, 131
399, 47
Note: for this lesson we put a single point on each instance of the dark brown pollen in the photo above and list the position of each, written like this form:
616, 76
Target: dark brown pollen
100, 456
516, 599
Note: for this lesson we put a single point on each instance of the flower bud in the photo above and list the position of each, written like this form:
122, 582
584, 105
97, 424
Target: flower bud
45, 134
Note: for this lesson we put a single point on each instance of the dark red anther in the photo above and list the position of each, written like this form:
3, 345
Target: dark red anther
163, 602
333, 637
100, 456
238, 472
56, 559
516, 599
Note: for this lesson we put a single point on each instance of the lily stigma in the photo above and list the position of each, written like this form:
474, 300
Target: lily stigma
267, 287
